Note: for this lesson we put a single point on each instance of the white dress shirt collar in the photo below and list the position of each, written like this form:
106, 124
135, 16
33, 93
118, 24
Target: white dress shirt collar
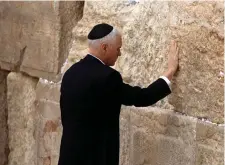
96, 58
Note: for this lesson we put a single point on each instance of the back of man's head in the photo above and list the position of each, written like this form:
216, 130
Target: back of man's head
101, 33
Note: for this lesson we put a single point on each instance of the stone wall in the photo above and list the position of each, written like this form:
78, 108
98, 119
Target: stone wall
36, 38
160, 137
22, 118
49, 123
147, 28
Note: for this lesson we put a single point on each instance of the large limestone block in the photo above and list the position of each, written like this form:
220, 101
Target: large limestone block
48, 139
49, 122
22, 119
125, 137
35, 36
48, 91
210, 144
162, 137
198, 87
3, 119
147, 29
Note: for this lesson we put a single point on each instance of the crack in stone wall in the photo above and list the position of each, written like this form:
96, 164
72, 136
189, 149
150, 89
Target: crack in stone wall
4, 148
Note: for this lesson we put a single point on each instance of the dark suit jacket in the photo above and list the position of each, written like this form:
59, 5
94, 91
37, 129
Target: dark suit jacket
91, 97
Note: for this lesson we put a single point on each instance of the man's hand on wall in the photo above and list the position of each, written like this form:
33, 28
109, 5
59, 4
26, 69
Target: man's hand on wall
172, 60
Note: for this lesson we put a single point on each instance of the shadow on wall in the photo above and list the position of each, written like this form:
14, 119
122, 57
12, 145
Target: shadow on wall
4, 143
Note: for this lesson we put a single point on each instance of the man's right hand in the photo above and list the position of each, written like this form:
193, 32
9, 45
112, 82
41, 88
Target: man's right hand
172, 60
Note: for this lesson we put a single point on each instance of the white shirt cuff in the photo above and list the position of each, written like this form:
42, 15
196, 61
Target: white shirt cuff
167, 81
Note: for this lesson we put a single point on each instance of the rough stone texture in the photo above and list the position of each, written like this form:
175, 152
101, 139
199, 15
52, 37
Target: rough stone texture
125, 138
49, 123
4, 148
210, 144
21, 119
198, 88
48, 91
70, 13
147, 29
161, 137
35, 36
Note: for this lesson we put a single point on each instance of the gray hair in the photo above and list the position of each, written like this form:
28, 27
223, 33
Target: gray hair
107, 39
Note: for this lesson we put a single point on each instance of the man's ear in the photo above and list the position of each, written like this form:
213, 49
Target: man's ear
104, 46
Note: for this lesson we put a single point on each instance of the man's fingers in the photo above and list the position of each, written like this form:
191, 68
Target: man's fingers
177, 50
172, 43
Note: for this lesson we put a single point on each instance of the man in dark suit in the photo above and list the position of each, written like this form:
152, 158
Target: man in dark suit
91, 97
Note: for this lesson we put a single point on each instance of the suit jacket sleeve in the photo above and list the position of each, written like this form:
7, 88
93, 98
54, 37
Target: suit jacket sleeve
134, 95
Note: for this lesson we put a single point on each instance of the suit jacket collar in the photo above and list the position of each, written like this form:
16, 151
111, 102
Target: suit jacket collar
92, 57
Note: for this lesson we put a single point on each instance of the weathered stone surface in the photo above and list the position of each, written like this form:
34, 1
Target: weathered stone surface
48, 91
160, 150
4, 148
55, 160
45, 161
45, 145
147, 29
21, 119
161, 137
49, 110
35, 36
49, 124
49, 140
198, 88
70, 13
210, 135
56, 141
210, 144
125, 137
207, 156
